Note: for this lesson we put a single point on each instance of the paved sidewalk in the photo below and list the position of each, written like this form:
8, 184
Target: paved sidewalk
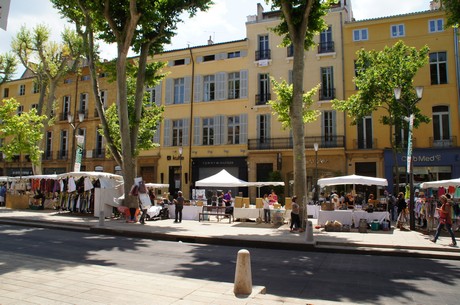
28, 280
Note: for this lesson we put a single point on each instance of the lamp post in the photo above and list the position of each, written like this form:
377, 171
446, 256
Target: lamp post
315, 195
180, 168
409, 107
76, 152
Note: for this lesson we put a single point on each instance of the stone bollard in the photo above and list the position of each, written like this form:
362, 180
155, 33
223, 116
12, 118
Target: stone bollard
309, 232
101, 218
243, 276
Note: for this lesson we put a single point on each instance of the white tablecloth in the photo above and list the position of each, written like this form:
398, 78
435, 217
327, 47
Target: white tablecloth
247, 213
313, 210
380, 216
189, 212
344, 217
347, 217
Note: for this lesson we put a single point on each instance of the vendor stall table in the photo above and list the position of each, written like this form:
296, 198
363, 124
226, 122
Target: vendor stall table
189, 212
253, 213
347, 217
313, 210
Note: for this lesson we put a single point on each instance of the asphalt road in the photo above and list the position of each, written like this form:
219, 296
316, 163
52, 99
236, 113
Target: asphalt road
331, 277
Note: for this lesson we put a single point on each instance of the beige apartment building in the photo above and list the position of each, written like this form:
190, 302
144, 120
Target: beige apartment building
217, 117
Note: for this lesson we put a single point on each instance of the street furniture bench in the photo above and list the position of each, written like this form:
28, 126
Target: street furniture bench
219, 212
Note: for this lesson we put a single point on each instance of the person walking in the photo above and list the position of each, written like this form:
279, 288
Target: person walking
295, 215
179, 202
402, 205
445, 219
2, 194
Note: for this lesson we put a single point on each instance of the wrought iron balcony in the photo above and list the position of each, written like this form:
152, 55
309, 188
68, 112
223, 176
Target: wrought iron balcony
99, 153
326, 47
450, 142
262, 99
326, 94
62, 155
287, 143
364, 143
263, 54
47, 155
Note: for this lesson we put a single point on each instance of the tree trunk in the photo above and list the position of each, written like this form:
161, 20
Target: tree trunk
298, 130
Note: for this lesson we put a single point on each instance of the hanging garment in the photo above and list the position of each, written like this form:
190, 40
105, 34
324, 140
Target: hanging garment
88, 184
72, 187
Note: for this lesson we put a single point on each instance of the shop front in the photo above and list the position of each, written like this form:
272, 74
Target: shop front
429, 164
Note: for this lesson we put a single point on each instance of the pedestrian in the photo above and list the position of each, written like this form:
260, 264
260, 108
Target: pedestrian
273, 198
179, 202
391, 204
295, 215
266, 202
2, 194
402, 205
445, 219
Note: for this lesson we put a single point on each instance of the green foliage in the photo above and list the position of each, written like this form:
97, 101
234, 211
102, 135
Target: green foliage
452, 8
282, 106
296, 12
379, 72
8, 65
20, 133
151, 117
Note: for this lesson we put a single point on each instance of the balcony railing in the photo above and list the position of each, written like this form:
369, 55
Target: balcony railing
47, 155
99, 153
287, 143
326, 47
451, 142
364, 143
62, 155
263, 54
262, 99
63, 116
326, 94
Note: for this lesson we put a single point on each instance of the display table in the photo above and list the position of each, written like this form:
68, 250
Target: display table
313, 210
189, 212
348, 217
247, 213
253, 213
370, 217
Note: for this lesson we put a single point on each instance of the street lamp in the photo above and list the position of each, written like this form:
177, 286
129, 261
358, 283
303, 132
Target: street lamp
76, 153
410, 118
315, 195
180, 168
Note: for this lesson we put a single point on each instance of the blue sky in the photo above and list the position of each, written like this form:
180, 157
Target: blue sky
224, 22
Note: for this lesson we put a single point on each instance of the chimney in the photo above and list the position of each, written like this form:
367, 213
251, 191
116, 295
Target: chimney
435, 5
210, 42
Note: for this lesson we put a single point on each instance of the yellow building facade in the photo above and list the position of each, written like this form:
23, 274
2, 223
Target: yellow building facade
217, 117
435, 147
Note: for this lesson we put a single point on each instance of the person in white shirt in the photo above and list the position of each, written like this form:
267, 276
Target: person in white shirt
266, 202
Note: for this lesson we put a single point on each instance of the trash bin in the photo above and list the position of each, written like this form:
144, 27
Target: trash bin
362, 225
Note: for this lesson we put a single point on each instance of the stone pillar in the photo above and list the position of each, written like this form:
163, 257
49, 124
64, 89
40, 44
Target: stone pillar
309, 233
243, 276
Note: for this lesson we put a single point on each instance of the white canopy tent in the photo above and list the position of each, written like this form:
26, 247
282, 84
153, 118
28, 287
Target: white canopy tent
222, 179
352, 179
157, 185
265, 183
440, 183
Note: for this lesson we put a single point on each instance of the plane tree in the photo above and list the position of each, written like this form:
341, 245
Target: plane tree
301, 20
8, 65
143, 26
48, 62
378, 73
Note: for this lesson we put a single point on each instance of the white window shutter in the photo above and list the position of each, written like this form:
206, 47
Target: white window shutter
171, 63
187, 91
196, 131
244, 84
221, 79
158, 94
198, 89
187, 60
156, 137
199, 59
185, 129
169, 96
167, 133
219, 122
244, 128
